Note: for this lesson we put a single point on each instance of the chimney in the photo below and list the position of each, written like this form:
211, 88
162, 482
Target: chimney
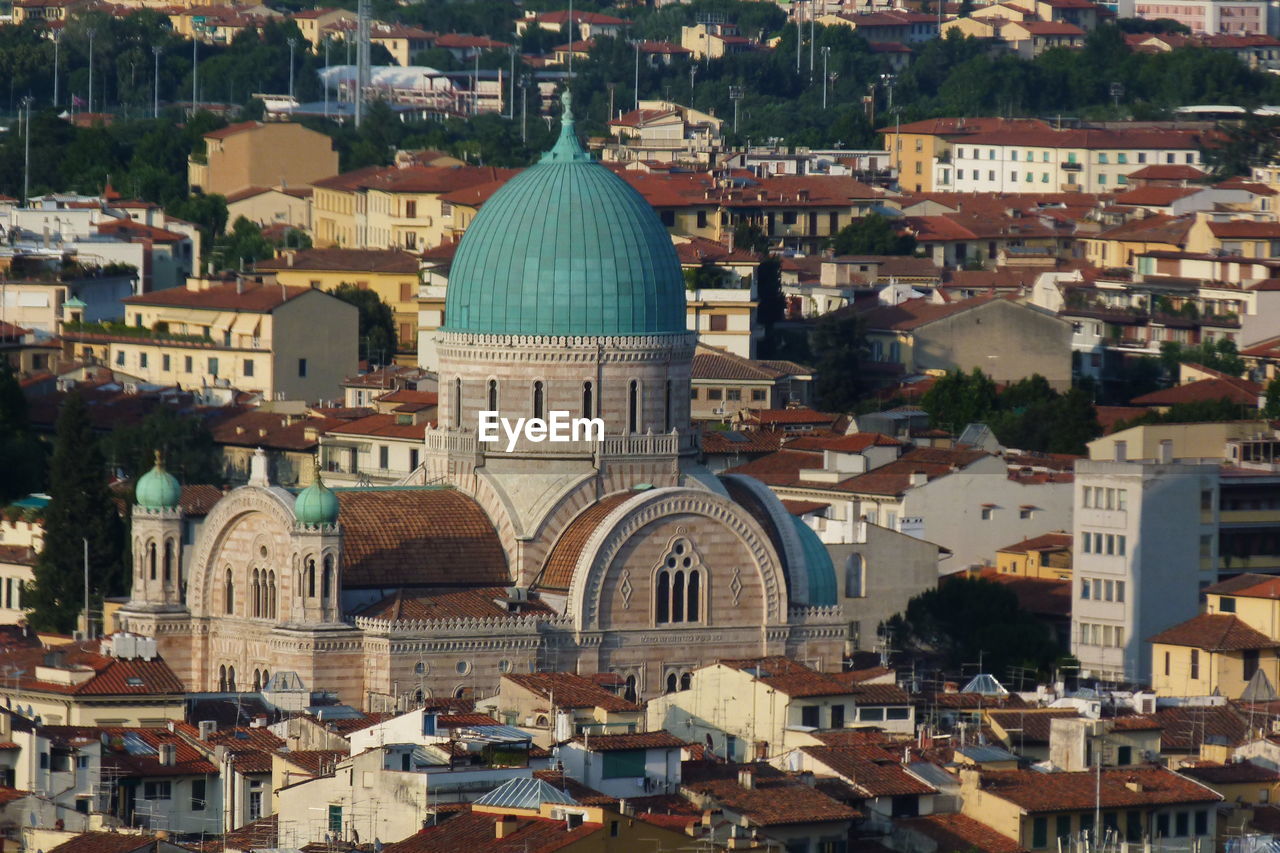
918, 478
505, 826
747, 777
168, 754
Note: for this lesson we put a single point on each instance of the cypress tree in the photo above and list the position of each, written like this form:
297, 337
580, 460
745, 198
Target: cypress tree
80, 508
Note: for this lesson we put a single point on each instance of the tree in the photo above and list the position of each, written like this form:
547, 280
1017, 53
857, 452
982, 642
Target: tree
964, 620
22, 455
838, 342
377, 322
872, 234
242, 245
959, 399
189, 450
1272, 408
80, 509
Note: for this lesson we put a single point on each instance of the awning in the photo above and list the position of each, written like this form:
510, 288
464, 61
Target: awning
245, 324
222, 323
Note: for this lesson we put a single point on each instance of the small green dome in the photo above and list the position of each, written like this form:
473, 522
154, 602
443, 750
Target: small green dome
566, 248
157, 489
316, 505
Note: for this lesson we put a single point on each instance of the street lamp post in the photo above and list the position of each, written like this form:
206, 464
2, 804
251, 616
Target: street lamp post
26, 153
524, 106
292, 44
90, 33
56, 38
511, 101
156, 50
636, 104
326, 76
735, 95
826, 53
195, 72
693, 72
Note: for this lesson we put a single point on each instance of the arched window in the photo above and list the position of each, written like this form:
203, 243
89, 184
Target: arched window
671, 682
257, 680
311, 577
692, 611
266, 678
537, 399
677, 597
457, 403
271, 594
168, 561
493, 395
854, 571
629, 690
222, 678
588, 400
633, 405
662, 599
255, 605
230, 595
666, 408
326, 589
417, 696
151, 559
231, 679
686, 680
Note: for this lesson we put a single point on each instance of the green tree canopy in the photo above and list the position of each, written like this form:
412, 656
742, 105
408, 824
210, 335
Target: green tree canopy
965, 620
377, 322
838, 342
22, 455
872, 234
189, 450
81, 509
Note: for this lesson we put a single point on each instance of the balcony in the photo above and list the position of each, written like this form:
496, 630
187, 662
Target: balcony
1072, 167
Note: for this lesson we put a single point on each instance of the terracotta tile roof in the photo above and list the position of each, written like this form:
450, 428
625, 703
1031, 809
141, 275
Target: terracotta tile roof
780, 468
879, 694
417, 537
1043, 542
434, 179
872, 770
663, 47
261, 833
475, 831
557, 571
637, 740
895, 477
1186, 728
122, 752
561, 17
345, 260
797, 415
1053, 792
914, 313
804, 507
1154, 196
110, 676
1110, 416
568, 690
1030, 727
381, 426
735, 442
270, 430
250, 298
1215, 632
462, 41
1240, 391
233, 129
17, 555
1243, 229
428, 604
130, 230
965, 126
774, 799
853, 443
1237, 772
789, 677
1041, 596
1247, 586
1135, 723
957, 833
1160, 228
348, 181
714, 363
317, 762
106, 842
471, 196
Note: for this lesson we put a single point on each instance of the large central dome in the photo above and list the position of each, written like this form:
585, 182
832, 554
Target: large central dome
566, 248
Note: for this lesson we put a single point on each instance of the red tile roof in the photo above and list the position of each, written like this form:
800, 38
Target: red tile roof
557, 571
1030, 727
638, 740
381, 426
1247, 586
1240, 391
1243, 229
1235, 773
852, 443
789, 677
1124, 787
472, 603
345, 260
568, 690
871, 769
234, 129
957, 833
249, 297
774, 799
1187, 728
106, 842
1167, 172
109, 676
417, 537
1215, 632
475, 831
1043, 542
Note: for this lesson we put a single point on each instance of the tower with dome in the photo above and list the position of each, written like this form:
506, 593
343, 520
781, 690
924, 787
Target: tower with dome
621, 555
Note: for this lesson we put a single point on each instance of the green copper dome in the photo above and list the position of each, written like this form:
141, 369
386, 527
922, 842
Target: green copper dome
157, 489
566, 248
316, 505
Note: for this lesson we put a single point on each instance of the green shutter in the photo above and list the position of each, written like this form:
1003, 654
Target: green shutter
624, 764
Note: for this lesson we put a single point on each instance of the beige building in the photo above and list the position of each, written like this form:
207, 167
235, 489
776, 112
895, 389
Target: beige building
285, 342
257, 154
555, 706
1047, 557
664, 132
20, 542
724, 384
267, 206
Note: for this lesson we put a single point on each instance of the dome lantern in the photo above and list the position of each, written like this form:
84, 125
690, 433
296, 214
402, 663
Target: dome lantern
316, 505
158, 489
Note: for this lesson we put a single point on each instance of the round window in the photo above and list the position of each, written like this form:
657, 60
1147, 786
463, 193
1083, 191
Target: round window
262, 549
420, 668
462, 667
504, 666
679, 547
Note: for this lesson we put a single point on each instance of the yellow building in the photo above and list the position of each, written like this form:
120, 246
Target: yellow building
257, 154
1119, 246
1175, 441
1042, 811
284, 342
312, 23
1241, 782
20, 541
914, 147
1221, 649
266, 206
1047, 557
1243, 237
390, 273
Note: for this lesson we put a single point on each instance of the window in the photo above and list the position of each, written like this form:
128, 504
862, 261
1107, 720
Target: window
1120, 544
732, 394
1250, 663
719, 322
1108, 590
1102, 157
302, 372
335, 818
633, 405
248, 367
186, 364
1040, 832
837, 716
1226, 604
1024, 513
1084, 589
715, 394
1202, 816
1062, 827
897, 713
809, 716
411, 209
229, 594
493, 396
1087, 497
120, 357
384, 454
757, 395
1166, 663
164, 362
987, 513
157, 790
537, 400
1120, 588
871, 715
197, 795
1195, 664
588, 400
1086, 542
213, 367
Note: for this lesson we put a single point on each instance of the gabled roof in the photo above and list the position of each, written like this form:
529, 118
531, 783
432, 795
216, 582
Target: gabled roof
1043, 542
1123, 787
957, 833
1241, 391
630, 741
568, 690
475, 831
1215, 632
871, 769
714, 363
1248, 585
789, 677
248, 297
773, 800
344, 260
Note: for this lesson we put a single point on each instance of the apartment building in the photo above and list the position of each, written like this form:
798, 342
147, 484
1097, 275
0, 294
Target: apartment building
1209, 17
1071, 160
259, 154
283, 342
1157, 518
664, 132
915, 147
